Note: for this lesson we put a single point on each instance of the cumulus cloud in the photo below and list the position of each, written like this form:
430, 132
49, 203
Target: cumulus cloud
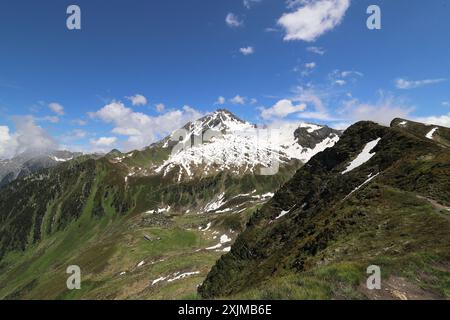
138, 100
5, 141
310, 65
160, 107
28, 137
103, 141
405, 84
52, 119
233, 21
238, 100
383, 111
246, 51
56, 108
281, 109
220, 101
315, 100
443, 120
141, 129
312, 18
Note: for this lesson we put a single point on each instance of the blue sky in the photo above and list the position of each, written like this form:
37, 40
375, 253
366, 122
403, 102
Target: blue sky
177, 60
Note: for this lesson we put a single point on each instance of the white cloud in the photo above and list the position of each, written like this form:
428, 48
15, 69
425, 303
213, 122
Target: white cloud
249, 3
28, 137
56, 108
160, 107
142, 129
312, 18
138, 100
72, 136
382, 112
103, 141
79, 134
316, 50
270, 29
52, 119
443, 120
220, 101
446, 103
238, 100
281, 109
233, 21
337, 77
316, 115
5, 142
79, 122
310, 65
247, 51
405, 84
314, 98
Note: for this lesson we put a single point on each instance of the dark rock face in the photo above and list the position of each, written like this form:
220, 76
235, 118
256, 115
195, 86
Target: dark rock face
311, 139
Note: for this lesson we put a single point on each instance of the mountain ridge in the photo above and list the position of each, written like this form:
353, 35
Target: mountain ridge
324, 212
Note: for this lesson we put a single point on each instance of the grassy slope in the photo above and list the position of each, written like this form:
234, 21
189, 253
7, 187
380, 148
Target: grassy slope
103, 232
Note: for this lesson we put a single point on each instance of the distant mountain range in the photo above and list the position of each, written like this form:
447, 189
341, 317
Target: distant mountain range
306, 206
31, 162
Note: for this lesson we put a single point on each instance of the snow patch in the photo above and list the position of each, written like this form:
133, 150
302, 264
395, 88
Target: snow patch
224, 239
158, 280
60, 159
282, 214
430, 134
159, 210
217, 246
215, 204
206, 228
183, 275
363, 184
363, 157
140, 264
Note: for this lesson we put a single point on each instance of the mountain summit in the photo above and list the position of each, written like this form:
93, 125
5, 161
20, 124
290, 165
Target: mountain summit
221, 142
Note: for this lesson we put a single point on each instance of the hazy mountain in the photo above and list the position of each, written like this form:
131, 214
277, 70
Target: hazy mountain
30, 162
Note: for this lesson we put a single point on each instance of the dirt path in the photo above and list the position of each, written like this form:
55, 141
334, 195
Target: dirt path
398, 288
439, 207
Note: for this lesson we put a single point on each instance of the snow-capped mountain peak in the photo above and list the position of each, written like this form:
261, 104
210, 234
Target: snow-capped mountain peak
221, 141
